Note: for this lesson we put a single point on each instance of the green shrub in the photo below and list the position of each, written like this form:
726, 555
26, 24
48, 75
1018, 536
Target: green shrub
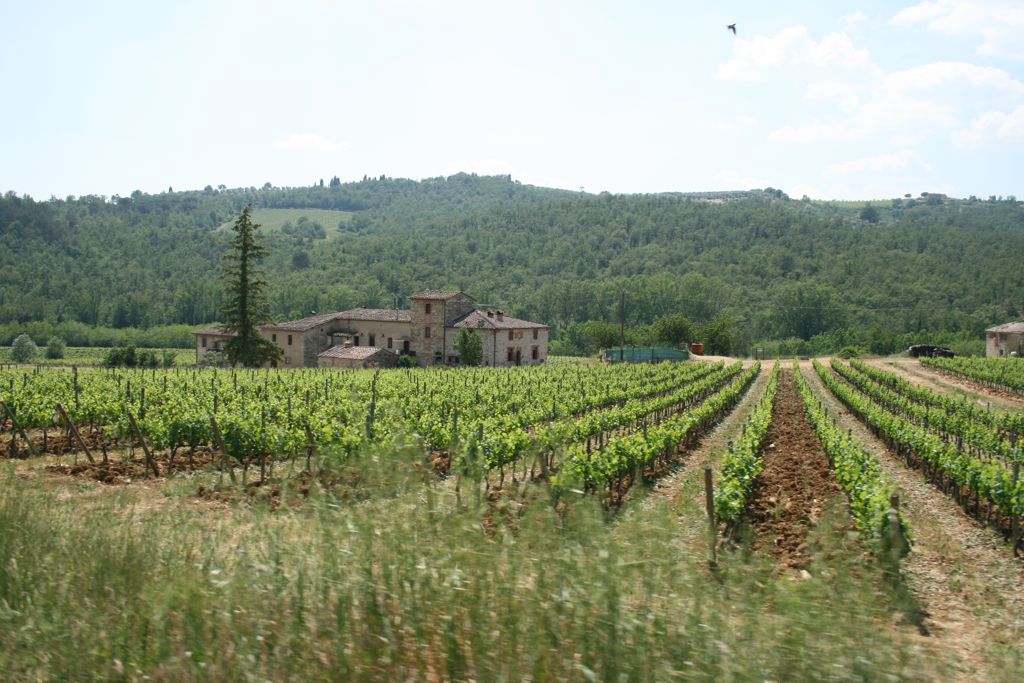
55, 348
23, 350
848, 352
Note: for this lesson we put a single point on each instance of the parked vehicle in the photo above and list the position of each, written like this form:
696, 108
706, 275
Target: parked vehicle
929, 351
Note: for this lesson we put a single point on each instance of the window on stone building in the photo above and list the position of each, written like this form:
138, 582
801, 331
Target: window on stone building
426, 333
289, 340
511, 354
535, 335
428, 309
373, 340
390, 341
510, 335
273, 338
536, 353
203, 340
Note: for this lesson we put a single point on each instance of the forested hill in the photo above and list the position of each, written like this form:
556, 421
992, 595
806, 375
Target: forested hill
744, 266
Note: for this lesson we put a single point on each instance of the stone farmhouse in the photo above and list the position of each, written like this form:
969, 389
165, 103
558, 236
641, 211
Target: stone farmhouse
377, 337
1005, 340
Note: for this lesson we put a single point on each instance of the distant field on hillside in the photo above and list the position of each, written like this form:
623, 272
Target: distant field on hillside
272, 220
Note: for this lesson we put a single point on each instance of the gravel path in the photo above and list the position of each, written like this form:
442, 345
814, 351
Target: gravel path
964, 575
912, 370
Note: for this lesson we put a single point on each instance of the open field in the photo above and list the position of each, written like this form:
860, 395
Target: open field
533, 523
272, 220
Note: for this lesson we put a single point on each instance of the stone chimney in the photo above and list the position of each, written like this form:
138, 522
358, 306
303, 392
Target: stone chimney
501, 315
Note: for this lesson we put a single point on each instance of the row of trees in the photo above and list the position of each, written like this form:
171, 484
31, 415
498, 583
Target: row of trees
775, 268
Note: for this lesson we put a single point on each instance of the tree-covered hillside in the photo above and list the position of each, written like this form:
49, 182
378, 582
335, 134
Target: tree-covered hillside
740, 267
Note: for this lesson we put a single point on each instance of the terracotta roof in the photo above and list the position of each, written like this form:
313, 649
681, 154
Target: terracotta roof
380, 314
481, 319
1017, 327
436, 294
303, 324
215, 329
351, 352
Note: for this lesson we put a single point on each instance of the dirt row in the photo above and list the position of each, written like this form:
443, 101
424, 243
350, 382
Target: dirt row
962, 573
796, 486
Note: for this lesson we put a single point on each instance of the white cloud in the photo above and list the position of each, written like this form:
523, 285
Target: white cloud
311, 142
855, 18
904, 159
998, 24
739, 180
993, 126
910, 104
938, 74
846, 93
790, 48
817, 132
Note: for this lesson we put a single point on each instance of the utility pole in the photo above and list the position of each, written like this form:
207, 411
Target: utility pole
622, 326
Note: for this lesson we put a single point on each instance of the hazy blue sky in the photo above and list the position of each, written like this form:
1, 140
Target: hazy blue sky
855, 100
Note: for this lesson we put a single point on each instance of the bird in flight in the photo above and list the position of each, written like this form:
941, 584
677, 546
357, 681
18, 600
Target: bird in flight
732, 27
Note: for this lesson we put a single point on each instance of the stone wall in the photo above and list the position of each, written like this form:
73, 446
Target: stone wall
209, 342
1003, 343
496, 344
423, 322
457, 307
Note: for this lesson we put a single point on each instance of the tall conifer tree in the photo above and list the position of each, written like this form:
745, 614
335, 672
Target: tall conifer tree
245, 308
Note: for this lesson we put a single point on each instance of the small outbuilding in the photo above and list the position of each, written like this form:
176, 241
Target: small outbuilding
357, 357
1005, 340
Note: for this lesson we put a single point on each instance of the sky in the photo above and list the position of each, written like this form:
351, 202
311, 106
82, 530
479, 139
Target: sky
858, 100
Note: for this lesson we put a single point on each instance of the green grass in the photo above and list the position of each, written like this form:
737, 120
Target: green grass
272, 220
572, 360
84, 356
398, 582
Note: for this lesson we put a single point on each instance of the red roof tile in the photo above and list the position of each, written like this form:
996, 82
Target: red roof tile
215, 329
480, 319
303, 324
436, 294
378, 314
351, 352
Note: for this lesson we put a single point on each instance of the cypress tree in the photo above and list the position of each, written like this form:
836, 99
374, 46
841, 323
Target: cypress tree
245, 307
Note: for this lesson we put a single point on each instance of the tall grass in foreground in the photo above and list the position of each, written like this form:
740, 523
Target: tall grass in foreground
409, 586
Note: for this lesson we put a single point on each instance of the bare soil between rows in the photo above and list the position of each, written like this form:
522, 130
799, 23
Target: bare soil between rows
966, 579
796, 486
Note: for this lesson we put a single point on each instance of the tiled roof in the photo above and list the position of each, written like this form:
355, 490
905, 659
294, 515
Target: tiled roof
481, 319
303, 324
350, 352
436, 294
379, 314
1017, 327
215, 329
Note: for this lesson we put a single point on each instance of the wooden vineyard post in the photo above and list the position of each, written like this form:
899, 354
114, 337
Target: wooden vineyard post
895, 532
18, 428
145, 447
1014, 518
74, 430
310, 446
223, 450
709, 501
